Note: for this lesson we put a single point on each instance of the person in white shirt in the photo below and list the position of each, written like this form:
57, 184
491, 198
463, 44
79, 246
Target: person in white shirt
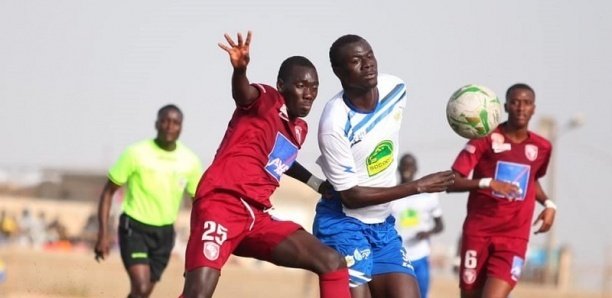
417, 217
359, 141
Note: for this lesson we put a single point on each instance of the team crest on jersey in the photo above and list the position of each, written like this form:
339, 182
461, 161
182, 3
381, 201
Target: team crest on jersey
381, 158
211, 250
531, 152
281, 157
517, 267
469, 276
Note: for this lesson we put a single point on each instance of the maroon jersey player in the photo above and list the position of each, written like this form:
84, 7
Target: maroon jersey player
505, 167
229, 214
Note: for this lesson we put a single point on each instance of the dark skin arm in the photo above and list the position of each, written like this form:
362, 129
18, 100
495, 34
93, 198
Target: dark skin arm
462, 184
547, 216
102, 244
438, 227
243, 93
362, 196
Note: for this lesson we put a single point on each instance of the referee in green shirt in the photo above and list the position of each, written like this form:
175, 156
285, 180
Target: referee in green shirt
155, 173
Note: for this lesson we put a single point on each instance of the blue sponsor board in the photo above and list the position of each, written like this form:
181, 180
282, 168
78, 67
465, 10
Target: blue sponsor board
282, 156
515, 173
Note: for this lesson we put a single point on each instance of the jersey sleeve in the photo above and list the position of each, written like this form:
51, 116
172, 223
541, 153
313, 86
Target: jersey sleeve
469, 156
123, 168
542, 170
336, 161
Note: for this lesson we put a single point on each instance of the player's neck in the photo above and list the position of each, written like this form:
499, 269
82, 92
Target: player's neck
514, 133
167, 146
364, 100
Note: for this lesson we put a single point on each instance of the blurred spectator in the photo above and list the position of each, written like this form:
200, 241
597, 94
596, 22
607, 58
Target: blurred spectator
8, 227
32, 229
89, 234
56, 231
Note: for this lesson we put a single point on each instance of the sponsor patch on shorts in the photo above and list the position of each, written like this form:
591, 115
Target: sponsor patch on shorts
517, 267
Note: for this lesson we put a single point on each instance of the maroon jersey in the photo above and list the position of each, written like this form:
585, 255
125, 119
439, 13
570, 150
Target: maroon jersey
260, 144
495, 156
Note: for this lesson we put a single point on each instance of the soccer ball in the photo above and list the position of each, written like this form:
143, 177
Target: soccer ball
473, 111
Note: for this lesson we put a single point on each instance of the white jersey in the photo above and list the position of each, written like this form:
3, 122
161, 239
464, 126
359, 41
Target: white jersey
361, 149
416, 214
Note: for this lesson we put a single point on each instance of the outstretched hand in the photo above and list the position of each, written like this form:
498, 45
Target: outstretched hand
238, 52
508, 190
435, 182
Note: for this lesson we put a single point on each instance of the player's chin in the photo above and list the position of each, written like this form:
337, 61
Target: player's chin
304, 112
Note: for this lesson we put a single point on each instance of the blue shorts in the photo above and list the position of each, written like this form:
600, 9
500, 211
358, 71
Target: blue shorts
369, 249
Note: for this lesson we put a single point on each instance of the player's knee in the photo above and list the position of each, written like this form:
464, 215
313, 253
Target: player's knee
332, 261
141, 290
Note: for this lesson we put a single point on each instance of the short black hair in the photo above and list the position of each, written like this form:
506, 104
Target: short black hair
285, 69
168, 107
334, 50
519, 86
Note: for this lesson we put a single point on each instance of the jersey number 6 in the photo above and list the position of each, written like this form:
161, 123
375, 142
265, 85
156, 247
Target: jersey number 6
470, 261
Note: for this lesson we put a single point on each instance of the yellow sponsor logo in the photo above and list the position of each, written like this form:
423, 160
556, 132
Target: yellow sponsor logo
381, 158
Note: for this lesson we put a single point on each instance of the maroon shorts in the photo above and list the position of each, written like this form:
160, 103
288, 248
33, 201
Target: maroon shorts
222, 224
483, 257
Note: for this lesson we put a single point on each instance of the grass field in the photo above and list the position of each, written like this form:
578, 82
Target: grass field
42, 274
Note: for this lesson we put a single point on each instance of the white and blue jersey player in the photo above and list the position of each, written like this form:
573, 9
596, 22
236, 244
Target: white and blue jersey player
362, 149
359, 142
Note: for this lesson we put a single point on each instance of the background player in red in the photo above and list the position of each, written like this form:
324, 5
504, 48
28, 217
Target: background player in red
505, 167
261, 143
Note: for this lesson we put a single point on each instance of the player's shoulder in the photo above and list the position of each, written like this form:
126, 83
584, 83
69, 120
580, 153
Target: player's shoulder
334, 109
264, 89
540, 140
186, 151
389, 82
140, 146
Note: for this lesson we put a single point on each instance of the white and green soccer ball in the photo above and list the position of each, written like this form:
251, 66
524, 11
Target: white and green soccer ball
473, 111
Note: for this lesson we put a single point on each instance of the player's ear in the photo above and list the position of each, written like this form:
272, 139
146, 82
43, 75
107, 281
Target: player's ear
506, 107
337, 71
280, 84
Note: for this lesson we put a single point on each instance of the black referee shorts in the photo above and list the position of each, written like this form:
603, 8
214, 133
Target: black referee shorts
145, 244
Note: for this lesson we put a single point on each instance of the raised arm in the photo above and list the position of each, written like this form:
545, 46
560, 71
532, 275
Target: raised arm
243, 93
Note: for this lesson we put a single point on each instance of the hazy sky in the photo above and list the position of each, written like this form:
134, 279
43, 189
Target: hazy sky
80, 80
